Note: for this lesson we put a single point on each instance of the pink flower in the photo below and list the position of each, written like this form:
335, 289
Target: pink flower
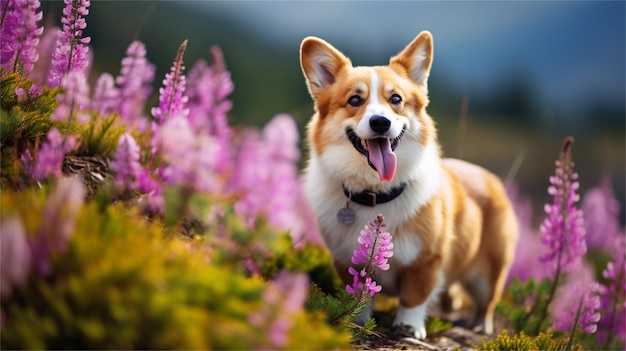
71, 52
106, 97
613, 297
73, 99
373, 252
20, 34
188, 158
172, 99
601, 213
134, 81
563, 230
59, 222
15, 257
578, 304
51, 154
126, 164
283, 299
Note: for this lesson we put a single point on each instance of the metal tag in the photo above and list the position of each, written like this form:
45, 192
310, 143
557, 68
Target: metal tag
345, 215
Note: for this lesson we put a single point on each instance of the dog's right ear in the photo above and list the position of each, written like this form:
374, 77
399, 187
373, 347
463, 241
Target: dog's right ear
321, 63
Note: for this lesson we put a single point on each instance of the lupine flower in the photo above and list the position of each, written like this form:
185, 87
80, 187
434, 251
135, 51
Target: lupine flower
51, 154
105, 97
58, 223
265, 179
207, 89
134, 81
126, 164
601, 212
563, 230
71, 52
578, 303
613, 297
20, 35
188, 158
45, 50
15, 257
172, 99
282, 299
373, 252
526, 264
73, 99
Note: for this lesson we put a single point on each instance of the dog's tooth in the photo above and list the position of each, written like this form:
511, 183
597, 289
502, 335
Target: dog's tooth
364, 144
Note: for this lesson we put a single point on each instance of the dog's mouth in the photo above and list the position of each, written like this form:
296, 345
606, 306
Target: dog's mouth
379, 152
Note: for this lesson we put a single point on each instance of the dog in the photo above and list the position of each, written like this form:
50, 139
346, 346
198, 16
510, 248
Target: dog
373, 149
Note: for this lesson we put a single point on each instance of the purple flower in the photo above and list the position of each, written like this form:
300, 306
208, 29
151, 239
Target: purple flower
45, 50
563, 230
613, 297
71, 52
51, 154
105, 97
283, 299
601, 213
73, 99
188, 158
207, 89
20, 35
373, 252
15, 257
578, 304
172, 100
528, 250
126, 164
59, 222
134, 81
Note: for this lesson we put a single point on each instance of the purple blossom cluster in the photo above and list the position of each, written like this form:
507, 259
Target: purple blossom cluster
375, 248
282, 300
613, 297
49, 159
71, 52
172, 98
563, 231
22, 254
578, 304
20, 34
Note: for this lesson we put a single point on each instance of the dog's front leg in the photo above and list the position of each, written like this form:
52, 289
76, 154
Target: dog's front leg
420, 284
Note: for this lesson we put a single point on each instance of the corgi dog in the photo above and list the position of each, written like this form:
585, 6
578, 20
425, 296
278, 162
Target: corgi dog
373, 150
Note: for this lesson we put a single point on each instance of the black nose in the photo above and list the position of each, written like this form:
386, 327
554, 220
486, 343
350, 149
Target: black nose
380, 124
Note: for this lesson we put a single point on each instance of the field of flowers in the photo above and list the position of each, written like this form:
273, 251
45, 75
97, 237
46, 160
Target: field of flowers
125, 225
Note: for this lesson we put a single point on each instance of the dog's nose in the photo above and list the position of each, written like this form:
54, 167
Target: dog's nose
380, 124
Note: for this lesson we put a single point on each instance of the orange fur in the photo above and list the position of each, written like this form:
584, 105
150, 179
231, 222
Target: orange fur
453, 222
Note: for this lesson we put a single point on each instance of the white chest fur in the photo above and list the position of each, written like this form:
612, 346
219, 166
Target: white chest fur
325, 194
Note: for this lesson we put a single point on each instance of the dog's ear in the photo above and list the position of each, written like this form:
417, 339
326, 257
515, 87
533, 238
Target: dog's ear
321, 63
416, 59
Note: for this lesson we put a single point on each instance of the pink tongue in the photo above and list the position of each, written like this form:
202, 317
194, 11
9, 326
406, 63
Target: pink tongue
381, 156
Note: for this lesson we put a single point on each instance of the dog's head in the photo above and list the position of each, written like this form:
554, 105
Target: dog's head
368, 117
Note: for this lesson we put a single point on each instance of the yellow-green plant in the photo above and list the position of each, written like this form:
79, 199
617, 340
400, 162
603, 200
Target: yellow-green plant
124, 282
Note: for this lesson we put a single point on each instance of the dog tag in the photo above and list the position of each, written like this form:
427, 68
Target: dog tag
346, 215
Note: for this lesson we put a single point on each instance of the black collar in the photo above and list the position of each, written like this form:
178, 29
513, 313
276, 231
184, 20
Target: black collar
371, 199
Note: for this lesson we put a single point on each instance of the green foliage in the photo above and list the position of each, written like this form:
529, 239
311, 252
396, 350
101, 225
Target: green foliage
340, 310
24, 119
519, 301
523, 342
312, 259
435, 325
100, 136
125, 282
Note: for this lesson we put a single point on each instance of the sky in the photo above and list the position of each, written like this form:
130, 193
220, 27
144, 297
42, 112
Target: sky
573, 51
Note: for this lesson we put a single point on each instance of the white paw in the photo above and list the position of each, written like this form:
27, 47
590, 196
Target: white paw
414, 317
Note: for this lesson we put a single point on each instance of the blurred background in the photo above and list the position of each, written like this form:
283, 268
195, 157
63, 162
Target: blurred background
510, 80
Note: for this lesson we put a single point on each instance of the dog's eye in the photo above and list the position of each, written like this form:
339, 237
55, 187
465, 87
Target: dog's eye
355, 100
395, 99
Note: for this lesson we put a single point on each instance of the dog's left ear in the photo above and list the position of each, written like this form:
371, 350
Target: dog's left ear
416, 59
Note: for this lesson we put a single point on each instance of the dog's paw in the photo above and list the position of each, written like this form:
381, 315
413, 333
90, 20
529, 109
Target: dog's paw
414, 317
401, 331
